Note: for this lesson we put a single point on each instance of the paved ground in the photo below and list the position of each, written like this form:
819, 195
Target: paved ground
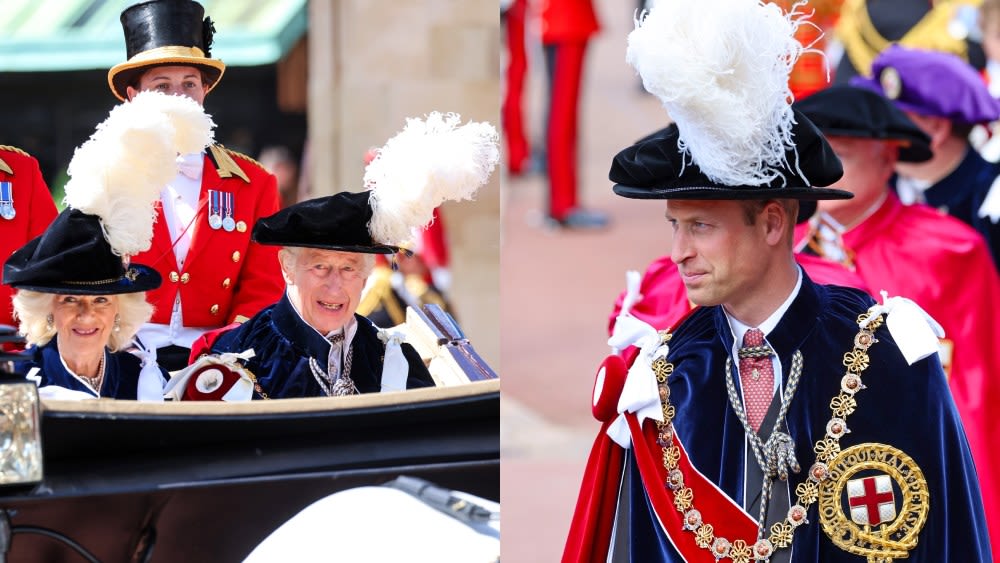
557, 288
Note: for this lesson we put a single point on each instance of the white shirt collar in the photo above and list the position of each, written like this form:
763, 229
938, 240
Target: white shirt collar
739, 329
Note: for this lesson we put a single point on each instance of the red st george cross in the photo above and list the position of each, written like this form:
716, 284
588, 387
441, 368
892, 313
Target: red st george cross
871, 500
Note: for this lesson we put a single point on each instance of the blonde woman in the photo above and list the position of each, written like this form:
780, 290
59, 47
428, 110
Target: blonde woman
79, 308
80, 299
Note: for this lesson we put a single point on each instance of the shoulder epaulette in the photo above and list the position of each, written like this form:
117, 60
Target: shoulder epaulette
4, 167
245, 157
13, 149
225, 166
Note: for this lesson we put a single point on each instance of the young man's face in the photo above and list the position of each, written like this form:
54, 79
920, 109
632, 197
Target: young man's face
721, 259
172, 79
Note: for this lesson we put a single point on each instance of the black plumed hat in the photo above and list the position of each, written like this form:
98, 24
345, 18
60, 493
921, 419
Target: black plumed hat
724, 83
73, 257
850, 111
115, 181
655, 168
165, 32
432, 160
336, 222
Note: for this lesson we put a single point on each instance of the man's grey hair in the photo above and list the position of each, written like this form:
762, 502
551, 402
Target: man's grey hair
289, 255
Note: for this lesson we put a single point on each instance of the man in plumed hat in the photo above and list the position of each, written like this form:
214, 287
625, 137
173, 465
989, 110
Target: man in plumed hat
936, 260
946, 98
213, 274
26, 209
757, 428
311, 343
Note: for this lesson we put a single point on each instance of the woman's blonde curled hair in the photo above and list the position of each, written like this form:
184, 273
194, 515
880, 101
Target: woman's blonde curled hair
32, 308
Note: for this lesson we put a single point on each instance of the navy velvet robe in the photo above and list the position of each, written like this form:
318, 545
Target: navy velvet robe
906, 407
121, 372
283, 343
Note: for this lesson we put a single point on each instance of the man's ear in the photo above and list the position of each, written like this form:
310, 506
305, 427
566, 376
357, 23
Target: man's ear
939, 129
130, 93
776, 221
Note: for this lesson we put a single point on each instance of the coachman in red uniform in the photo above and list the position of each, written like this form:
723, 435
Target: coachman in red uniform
213, 274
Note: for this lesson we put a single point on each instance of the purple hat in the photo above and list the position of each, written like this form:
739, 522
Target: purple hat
931, 83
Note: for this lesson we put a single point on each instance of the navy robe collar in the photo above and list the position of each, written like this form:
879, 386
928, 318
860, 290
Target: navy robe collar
303, 337
791, 331
121, 372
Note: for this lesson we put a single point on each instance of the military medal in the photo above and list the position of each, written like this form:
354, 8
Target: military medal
229, 224
214, 210
7, 200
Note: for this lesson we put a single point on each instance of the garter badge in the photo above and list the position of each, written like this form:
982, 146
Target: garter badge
874, 502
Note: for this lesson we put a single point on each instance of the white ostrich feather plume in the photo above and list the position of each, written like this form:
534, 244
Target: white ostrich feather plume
428, 162
720, 68
118, 173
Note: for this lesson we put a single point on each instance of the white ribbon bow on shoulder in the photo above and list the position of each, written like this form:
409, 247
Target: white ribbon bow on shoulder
916, 332
639, 394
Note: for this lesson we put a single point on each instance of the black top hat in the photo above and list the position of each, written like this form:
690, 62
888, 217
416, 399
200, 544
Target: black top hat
165, 32
336, 222
850, 111
655, 168
73, 257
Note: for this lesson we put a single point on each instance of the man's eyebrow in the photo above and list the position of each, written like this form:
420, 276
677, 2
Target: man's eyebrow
166, 77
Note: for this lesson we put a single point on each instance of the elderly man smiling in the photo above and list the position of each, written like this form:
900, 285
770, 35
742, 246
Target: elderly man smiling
311, 342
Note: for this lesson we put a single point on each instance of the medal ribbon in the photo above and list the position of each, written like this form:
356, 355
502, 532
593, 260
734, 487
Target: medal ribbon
7, 200
214, 207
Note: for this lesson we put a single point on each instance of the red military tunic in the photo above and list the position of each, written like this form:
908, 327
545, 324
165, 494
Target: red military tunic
945, 267
33, 207
225, 277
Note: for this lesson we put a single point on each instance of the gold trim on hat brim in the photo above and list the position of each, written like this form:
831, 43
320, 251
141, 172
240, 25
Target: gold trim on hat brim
170, 54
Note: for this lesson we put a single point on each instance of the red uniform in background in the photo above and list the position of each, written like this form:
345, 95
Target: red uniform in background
566, 27
225, 277
32, 206
518, 149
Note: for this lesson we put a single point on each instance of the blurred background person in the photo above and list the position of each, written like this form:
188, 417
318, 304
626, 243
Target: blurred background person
866, 28
402, 281
513, 18
946, 98
26, 209
566, 28
280, 162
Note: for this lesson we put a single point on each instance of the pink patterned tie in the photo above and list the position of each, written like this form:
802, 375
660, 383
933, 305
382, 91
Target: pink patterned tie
756, 377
